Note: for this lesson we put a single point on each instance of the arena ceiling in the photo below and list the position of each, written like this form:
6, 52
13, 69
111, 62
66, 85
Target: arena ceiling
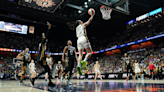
68, 12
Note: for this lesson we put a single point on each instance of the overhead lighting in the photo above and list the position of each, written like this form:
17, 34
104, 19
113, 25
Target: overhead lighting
85, 3
86, 6
79, 11
89, 0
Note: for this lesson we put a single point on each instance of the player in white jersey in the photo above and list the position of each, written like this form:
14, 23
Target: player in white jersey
127, 62
32, 69
137, 69
49, 61
82, 43
96, 68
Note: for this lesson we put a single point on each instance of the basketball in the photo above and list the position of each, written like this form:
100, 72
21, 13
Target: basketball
91, 11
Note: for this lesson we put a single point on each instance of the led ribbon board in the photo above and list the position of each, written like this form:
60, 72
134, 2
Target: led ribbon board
155, 11
142, 17
130, 22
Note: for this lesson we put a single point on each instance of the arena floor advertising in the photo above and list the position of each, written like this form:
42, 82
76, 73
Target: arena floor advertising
85, 86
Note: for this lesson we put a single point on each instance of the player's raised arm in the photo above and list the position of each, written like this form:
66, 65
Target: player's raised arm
64, 53
89, 21
44, 37
49, 25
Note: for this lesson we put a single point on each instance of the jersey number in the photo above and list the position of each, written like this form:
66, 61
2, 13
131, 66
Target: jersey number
71, 52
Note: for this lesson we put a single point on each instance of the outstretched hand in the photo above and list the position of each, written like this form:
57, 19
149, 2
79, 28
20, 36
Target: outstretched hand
49, 25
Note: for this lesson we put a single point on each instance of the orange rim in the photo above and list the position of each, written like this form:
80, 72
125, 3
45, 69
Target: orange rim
102, 6
105, 6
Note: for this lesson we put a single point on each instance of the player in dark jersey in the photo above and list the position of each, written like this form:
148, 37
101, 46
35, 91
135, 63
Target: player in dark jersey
26, 57
71, 56
127, 62
59, 69
42, 57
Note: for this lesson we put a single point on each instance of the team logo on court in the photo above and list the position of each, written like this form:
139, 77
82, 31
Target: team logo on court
45, 3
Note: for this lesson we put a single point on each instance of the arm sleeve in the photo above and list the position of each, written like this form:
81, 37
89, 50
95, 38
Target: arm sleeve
47, 34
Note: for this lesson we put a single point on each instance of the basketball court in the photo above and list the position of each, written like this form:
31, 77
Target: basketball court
85, 86
105, 7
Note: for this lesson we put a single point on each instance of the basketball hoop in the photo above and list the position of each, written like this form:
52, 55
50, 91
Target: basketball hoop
106, 12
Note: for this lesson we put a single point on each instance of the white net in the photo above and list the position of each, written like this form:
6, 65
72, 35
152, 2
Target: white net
106, 12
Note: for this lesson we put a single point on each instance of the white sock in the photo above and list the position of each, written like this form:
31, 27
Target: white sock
78, 64
85, 59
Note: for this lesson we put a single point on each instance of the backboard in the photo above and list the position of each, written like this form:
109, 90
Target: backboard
117, 5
